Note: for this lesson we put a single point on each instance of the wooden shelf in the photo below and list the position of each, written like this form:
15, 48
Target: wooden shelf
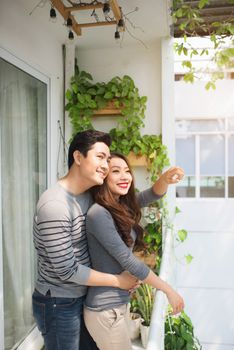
107, 111
137, 160
110, 109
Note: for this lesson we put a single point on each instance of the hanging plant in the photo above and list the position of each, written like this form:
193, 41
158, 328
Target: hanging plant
85, 97
189, 21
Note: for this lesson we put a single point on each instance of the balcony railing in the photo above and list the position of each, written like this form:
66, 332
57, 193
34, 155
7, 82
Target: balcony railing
156, 334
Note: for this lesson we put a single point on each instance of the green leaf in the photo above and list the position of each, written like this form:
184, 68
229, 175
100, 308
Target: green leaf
68, 95
182, 234
188, 258
180, 343
189, 77
185, 51
210, 85
68, 106
92, 91
186, 335
177, 210
179, 13
231, 28
187, 319
143, 99
81, 98
100, 90
86, 75
75, 88
108, 95
229, 52
203, 3
187, 64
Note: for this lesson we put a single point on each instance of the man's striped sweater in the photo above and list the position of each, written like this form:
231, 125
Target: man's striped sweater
63, 263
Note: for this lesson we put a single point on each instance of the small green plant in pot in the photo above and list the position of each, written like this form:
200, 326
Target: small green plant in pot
134, 321
142, 303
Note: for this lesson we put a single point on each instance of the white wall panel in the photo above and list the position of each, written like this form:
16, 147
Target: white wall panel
211, 311
213, 262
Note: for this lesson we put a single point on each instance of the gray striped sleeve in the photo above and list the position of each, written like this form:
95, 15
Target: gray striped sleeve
53, 241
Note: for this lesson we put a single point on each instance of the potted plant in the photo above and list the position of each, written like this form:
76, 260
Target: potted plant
134, 321
179, 333
143, 300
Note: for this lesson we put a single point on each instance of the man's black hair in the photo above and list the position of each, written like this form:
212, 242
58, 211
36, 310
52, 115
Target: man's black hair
83, 141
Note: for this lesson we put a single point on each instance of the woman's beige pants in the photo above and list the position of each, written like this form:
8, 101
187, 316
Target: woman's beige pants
109, 328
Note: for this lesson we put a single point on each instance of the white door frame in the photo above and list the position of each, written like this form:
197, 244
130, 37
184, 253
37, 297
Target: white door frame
33, 341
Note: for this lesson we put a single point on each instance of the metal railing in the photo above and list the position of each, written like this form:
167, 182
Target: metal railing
156, 333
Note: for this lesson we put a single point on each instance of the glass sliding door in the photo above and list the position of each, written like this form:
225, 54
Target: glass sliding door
23, 124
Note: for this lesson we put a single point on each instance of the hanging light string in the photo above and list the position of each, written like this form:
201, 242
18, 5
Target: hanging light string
136, 38
41, 4
121, 26
81, 3
65, 149
94, 14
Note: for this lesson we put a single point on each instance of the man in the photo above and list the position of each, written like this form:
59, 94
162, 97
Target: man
60, 240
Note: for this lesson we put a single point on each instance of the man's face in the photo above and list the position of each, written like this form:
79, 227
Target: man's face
94, 167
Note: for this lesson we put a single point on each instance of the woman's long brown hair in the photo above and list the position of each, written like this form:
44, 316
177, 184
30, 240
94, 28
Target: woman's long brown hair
126, 212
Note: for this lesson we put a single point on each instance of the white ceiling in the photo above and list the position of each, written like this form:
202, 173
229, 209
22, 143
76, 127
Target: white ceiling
150, 22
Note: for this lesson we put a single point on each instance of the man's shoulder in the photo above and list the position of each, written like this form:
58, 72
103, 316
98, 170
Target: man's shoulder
58, 197
54, 196
53, 192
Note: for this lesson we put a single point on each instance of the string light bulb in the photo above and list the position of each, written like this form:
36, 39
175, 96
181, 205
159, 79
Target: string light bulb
121, 25
69, 22
53, 15
117, 35
106, 8
70, 35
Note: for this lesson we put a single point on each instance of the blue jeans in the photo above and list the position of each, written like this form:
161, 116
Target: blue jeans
59, 321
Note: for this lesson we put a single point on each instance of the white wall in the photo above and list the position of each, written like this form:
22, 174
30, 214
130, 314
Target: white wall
194, 101
207, 284
26, 38
144, 66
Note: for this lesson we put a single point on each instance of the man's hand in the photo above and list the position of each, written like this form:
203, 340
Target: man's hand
127, 281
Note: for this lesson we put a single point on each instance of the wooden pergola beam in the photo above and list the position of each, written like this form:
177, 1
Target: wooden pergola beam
83, 7
66, 13
97, 24
58, 4
115, 9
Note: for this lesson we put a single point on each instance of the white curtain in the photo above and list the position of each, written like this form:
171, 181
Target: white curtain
23, 109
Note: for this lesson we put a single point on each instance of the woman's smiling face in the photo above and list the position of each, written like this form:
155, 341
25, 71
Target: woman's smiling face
119, 178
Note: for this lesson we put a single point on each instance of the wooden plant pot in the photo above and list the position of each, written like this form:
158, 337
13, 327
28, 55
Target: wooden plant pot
136, 160
110, 109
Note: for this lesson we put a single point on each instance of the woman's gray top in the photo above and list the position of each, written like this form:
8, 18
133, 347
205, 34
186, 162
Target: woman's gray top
110, 254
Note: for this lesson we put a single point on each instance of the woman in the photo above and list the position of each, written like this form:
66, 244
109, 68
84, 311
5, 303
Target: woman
112, 227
